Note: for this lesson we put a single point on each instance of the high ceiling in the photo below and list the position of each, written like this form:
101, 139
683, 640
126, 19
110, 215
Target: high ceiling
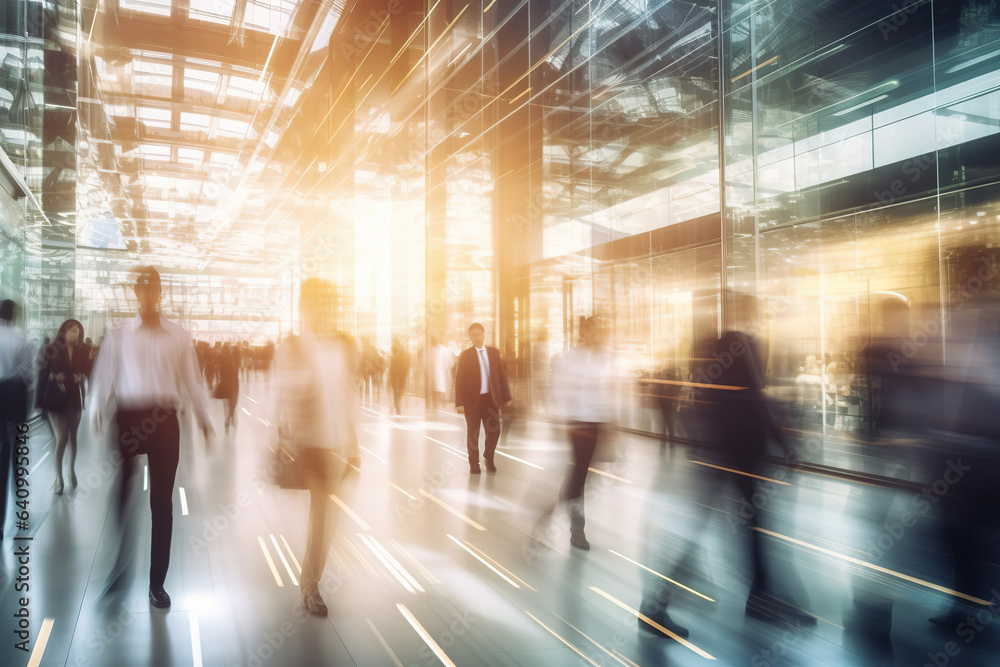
184, 105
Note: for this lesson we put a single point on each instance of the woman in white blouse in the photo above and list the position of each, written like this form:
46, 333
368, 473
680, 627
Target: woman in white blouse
582, 395
316, 399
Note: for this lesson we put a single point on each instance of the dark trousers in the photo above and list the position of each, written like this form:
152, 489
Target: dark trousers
667, 411
713, 486
584, 437
488, 414
398, 388
155, 433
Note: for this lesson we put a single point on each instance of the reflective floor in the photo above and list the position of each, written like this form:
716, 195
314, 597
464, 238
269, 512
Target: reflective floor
431, 566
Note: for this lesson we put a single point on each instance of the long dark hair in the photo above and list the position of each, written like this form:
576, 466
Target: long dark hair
66, 326
50, 351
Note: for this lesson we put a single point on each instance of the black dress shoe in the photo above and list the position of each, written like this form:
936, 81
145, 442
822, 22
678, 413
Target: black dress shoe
158, 597
475, 470
579, 540
314, 605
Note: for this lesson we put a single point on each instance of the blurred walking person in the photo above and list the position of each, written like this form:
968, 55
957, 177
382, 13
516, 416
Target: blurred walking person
965, 456
17, 381
735, 428
481, 391
316, 407
267, 359
582, 395
667, 391
399, 371
227, 382
440, 362
62, 367
371, 362
144, 370
541, 369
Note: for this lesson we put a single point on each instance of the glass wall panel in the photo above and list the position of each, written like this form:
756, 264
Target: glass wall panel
855, 144
623, 102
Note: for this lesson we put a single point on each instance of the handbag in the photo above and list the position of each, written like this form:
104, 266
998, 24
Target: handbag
305, 468
286, 469
297, 465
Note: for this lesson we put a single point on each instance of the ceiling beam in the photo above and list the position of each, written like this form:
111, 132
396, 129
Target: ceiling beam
192, 38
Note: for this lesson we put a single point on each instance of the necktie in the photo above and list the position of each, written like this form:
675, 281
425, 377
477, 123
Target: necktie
486, 366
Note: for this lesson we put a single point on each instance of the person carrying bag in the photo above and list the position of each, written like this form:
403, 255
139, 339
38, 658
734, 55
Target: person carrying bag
316, 406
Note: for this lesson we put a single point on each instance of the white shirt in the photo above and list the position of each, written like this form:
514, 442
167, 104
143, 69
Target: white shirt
143, 367
583, 385
17, 355
315, 393
442, 361
484, 370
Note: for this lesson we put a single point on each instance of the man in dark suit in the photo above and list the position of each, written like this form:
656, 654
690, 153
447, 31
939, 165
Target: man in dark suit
481, 390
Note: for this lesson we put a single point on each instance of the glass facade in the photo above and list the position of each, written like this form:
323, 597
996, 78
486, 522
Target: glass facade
38, 137
567, 157
858, 167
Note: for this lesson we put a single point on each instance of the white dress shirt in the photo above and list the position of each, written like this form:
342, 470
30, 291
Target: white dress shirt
17, 355
139, 366
583, 385
484, 370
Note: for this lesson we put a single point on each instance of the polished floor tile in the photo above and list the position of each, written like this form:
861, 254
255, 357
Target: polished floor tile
430, 565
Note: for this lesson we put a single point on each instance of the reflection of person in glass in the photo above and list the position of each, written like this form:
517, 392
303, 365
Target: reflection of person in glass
316, 401
62, 368
144, 369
